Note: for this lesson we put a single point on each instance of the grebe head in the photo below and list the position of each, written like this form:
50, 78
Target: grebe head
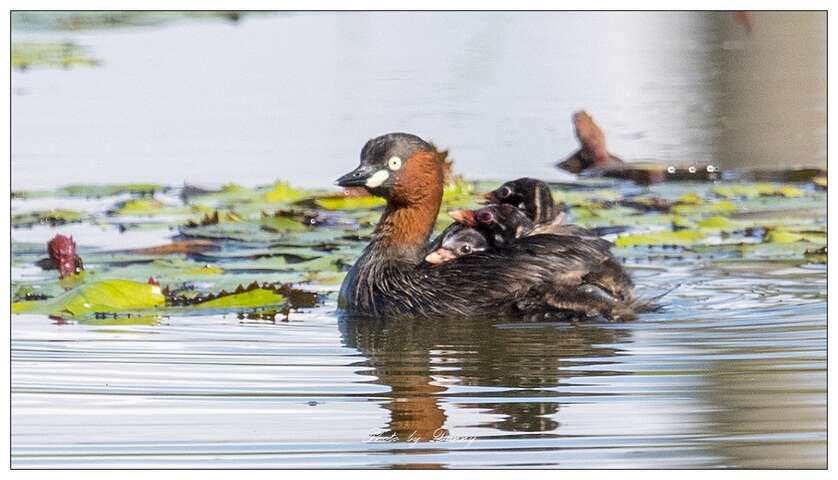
513, 192
396, 166
460, 242
529, 194
501, 223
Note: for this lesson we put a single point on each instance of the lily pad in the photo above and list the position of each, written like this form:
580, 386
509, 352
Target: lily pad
820, 182
258, 297
282, 192
52, 218
284, 222
102, 296
718, 223
723, 206
681, 238
344, 202
63, 55
754, 190
787, 236
690, 198
98, 191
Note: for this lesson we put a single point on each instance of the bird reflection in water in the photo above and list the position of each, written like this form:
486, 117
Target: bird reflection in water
418, 359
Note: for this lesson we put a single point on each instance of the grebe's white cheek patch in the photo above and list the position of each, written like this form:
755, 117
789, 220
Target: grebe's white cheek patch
377, 178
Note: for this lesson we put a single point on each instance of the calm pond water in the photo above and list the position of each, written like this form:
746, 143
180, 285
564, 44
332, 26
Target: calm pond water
731, 373
294, 96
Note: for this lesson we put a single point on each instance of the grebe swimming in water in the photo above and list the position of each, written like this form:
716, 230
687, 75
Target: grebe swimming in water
533, 275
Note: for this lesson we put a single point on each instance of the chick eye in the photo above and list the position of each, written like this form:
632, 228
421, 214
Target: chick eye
484, 217
466, 249
394, 163
504, 192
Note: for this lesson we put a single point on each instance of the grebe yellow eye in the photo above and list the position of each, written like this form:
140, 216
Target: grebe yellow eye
394, 163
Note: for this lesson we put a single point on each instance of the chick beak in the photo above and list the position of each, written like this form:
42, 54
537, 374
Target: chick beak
441, 255
356, 178
464, 217
490, 198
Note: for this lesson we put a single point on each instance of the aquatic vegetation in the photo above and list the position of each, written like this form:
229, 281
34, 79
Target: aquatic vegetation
704, 207
291, 246
349, 202
756, 190
63, 55
790, 236
283, 192
84, 20
676, 238
98, 191
99, 297
139, 206
52, 218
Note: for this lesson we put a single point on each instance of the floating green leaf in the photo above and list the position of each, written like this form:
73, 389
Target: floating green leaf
282, 192
717, 223
346, 202
723, 206
282, 223
690, 198
587, 196
681, 237
754, 190
787, 236
52, 218
98, 191
820, 182
147, 207
259, 297
113, 296
103, 296
65, 55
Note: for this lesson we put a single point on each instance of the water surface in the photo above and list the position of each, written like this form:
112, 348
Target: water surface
732, 374
295, 96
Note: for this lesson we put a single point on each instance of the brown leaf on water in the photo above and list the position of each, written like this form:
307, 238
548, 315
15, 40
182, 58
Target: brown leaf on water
207, 220
214, 219
297, 298
304, 217
641, 175
179, 246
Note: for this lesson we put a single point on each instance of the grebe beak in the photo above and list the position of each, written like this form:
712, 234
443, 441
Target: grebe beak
441, 255
464, 217
490, 198
357, 177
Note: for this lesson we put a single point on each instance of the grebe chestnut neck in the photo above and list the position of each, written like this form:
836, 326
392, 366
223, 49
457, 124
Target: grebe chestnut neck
529, 276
